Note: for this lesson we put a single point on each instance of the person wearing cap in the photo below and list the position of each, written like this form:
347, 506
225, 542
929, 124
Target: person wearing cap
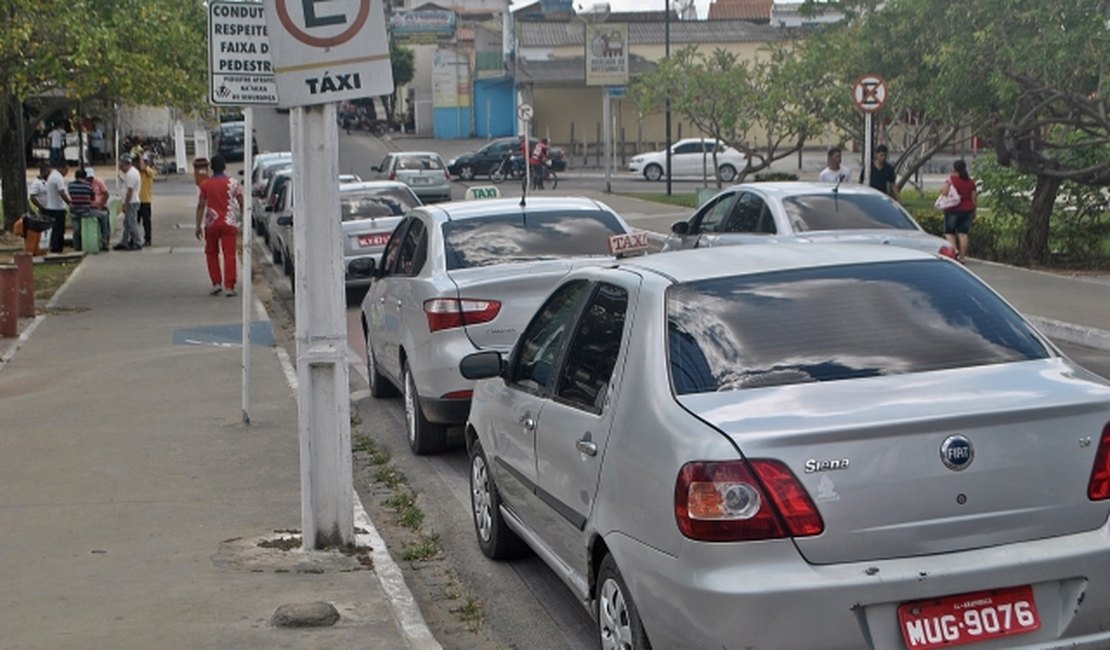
146, 194
219, 205
132, 239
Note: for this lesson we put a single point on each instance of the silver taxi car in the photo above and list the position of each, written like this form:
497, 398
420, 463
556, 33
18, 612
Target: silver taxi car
798, 446
752, 213
465, 276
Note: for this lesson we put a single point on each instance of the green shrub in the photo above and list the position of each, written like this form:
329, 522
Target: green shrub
771, 177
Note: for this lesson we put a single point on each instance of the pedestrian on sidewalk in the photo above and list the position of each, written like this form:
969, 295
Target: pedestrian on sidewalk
100, 207
57, 145
218, 209
32, 236
81, 195
132, 239
883, 177
146, 195
834, 171
57, 199
957, 220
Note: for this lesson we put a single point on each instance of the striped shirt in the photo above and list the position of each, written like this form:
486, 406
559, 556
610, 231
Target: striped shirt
81, 194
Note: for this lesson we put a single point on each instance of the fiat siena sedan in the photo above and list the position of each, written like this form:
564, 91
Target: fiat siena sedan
753, 213
799, 446
465, 276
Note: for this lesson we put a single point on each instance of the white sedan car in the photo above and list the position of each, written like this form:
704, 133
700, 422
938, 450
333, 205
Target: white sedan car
754, 213
465, 276
692, 157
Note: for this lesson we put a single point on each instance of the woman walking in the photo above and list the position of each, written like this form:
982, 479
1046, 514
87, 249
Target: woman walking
957, 219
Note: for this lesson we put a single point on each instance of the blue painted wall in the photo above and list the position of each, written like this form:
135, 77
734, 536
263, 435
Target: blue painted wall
452, 123
496, 115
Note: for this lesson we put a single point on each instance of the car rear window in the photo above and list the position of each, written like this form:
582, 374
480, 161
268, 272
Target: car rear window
378, 203
526, 236
840, 211
842, 322
419, 163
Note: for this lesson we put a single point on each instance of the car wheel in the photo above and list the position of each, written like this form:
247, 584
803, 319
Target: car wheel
379, 385
727, 173
275, 255
653, 172
618, 622
495, 538
287, 266
424, 436
466, 173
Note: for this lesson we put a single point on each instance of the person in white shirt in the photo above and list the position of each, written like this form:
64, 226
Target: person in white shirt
57, 145
132, 239
834, 171
56, 201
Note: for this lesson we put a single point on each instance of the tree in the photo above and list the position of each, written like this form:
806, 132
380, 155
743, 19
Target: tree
404, 68
67, 51
753, 106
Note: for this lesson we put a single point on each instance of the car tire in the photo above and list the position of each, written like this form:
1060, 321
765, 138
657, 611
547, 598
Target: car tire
466, 173
275, 256
380, 387
424, 437
653, 172
618, 621
495, 538
287, 266
727, 173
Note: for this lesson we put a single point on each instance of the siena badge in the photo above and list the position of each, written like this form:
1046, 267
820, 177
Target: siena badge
956, 452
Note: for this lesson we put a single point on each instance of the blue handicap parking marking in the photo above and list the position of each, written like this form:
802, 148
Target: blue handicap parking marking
262, 333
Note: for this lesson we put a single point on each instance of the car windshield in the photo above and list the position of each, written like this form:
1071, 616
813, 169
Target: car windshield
377, 203
842, 322
419, 163
842, 211
526, 236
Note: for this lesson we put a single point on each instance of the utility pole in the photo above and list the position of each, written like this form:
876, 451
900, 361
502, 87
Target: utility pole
667, 56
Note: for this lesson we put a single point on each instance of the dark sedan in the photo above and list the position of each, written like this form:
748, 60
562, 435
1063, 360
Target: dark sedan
484, 160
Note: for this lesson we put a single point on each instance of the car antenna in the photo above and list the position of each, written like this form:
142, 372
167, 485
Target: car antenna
836, 188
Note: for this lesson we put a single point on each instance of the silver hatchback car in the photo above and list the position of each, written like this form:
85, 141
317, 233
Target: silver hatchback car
798, 446
752, 213
423, 171
465, 276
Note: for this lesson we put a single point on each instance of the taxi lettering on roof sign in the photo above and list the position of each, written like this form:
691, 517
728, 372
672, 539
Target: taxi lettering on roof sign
483, 192
635, 243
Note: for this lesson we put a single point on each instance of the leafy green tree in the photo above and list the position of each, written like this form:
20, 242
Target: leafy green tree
404, 69
735, 101
58, 53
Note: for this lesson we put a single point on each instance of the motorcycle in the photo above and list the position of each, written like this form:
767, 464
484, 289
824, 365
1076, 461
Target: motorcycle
511, 167
352, 121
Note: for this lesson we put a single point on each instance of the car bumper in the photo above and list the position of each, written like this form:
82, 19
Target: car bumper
776, 600
435, 369
636, 167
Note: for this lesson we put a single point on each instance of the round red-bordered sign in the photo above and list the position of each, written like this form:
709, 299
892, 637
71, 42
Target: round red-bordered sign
869, 93
296, 32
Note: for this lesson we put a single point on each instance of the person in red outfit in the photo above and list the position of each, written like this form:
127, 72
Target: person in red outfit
957, 220
218, 208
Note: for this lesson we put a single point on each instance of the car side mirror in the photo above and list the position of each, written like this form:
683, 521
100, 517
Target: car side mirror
362, 268
284, 220
376, 168
681, 228
482, 365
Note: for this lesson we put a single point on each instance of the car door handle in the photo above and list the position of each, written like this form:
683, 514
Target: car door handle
586, 446
528, 423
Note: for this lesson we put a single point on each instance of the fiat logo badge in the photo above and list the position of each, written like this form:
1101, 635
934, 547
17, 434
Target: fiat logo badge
956, 452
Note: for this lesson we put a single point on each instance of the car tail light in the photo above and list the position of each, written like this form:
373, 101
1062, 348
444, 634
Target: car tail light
1099, 487
449, 313
392, 176
458, 394
742, 501
947, 251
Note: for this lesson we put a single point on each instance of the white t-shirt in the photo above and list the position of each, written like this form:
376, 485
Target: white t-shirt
55, 187
830, 176
132, 181
38, 188
56, 137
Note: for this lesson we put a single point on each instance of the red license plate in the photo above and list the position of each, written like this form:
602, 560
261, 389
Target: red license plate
968, 618
370, 241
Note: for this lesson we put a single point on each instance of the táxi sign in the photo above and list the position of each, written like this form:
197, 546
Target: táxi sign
239, 68
328, 50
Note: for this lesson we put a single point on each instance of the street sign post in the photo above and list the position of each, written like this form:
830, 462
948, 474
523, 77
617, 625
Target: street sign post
524, 112
240, 72
324, 51
869, 95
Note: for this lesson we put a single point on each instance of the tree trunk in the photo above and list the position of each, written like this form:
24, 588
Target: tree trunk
13, 166
1035, 244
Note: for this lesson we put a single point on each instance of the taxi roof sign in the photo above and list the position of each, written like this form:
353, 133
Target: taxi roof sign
629, 244
483, 192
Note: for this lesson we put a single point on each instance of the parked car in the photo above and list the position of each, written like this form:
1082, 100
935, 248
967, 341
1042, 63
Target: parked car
798, 446
463, 276
484, 160
370, 210
752, 213
229, 141
691, 157
273, 207
423, 171
265, 165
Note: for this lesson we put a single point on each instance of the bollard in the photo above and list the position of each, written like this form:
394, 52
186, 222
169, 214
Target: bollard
9, 302
25, 271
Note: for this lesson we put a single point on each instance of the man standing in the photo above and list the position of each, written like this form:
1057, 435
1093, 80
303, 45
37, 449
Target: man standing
56, 201
81, 195
100, 207
538, 160
883, 177
218, 208
132, 238
37, 195
834, 171
146, 194
57, 145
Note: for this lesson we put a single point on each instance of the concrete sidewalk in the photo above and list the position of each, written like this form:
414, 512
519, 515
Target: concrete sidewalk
137, 510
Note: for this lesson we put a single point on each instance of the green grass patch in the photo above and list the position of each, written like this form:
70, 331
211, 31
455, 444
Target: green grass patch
389, 476
424, 549
470, 613
400, 501
48, 278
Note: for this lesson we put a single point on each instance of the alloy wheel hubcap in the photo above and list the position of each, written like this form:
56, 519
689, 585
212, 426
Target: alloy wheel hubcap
479, 494
410, 407
612, 618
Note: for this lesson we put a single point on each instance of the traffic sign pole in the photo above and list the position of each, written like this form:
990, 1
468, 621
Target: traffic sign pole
869, 95
246, 233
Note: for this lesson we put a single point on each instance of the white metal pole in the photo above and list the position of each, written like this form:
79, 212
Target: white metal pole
246, 233
527, 162
867, 146
608, 136
323, 392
